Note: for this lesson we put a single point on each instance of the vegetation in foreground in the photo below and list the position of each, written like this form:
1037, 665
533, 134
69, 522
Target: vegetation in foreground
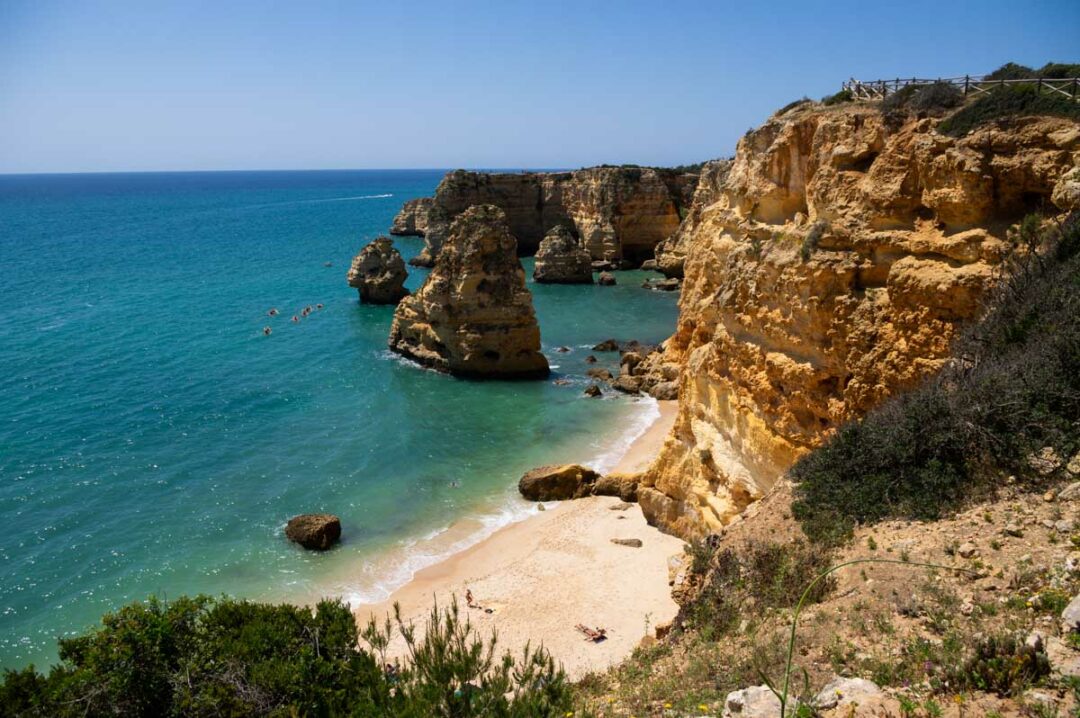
221, 657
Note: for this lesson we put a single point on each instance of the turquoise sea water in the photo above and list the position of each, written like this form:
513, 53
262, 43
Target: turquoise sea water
153, 441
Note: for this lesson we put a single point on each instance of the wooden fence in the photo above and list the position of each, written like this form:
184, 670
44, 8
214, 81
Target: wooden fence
969, 84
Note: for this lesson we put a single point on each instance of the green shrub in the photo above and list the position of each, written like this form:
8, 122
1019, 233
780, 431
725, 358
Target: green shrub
1008, 101
938, 96
934, 97
1011, 71
1059, 70
1013, 389
792, 105
200, 656
844, 95
1002, 665
742, 583
1049, 71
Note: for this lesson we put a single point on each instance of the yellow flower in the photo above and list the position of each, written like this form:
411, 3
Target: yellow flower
702, 707
667, 705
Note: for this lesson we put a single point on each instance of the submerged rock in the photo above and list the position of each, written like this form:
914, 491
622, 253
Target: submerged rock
592, 390
557, 483
316, 532
562, 260
473, 315
378, 273
662, 285
606, 279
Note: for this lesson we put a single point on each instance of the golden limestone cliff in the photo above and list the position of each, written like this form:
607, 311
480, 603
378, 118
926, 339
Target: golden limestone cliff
837, 259
473, 316
617, 213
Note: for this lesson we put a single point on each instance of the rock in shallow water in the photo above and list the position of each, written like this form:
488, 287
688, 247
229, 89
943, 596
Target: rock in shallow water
606, 279
473, 315
562, 260
316, 532
378, 273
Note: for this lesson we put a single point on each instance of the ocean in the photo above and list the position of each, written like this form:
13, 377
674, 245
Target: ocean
154, 442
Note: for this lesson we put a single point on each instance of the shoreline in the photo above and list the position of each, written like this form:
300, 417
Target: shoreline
557, 568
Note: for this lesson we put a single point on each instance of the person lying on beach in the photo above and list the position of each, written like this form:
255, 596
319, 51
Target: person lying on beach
469, 600
596, 636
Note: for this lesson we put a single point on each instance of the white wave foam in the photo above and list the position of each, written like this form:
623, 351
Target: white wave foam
610, 456
420, 554
413, 555
345, 199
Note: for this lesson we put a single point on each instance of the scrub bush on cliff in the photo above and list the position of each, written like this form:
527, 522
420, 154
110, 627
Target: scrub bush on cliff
201, 657
1011, 389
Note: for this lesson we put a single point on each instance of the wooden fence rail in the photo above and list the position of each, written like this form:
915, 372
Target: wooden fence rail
970, 84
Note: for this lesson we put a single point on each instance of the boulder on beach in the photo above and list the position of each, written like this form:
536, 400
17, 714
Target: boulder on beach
316, 532
617, 484
557, 483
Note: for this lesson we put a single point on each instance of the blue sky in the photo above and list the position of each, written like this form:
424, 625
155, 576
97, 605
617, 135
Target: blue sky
117, 85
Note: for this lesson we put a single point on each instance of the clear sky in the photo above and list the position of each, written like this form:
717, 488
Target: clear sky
100, 85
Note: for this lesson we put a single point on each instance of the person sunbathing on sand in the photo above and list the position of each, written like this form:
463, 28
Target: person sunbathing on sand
469, 600
600, 634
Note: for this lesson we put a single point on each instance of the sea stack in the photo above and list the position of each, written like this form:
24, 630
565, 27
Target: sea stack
473, 315
561, 259
378, 273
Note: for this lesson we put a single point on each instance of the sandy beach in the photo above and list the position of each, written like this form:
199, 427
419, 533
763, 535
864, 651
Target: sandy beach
544, 575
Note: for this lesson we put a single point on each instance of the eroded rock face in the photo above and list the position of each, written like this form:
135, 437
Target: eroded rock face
671, 253
831, 270
412, 220
617, 212
436, 230
473, 315
316, 532
562, 260
378, 273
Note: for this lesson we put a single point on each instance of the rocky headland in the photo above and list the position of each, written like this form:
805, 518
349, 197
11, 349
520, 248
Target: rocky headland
617, 213
473, 315
378, 273
828, 267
